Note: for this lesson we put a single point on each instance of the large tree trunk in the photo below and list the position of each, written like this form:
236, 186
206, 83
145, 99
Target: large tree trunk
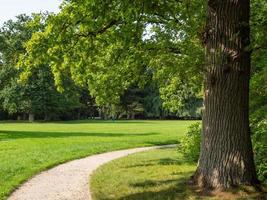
226, 157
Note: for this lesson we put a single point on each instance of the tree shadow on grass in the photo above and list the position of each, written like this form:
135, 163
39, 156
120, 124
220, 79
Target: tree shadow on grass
175, 188
178, 190
158, 143
106, 122
82, 122
152, 183
165, 161
4, 135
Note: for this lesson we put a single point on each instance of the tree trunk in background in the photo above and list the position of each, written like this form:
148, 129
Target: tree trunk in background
31, 117
19, 117
100, 113
47, 117
24, 116
226, 158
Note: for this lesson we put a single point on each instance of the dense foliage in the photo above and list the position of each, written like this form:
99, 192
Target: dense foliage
190, 144
140, 40
258, 86
35, 86
38, 95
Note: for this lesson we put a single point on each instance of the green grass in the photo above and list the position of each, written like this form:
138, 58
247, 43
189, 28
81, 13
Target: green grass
152, 175
160, 174
26, 149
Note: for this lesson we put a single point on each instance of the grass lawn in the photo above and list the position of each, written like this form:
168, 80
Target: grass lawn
26, 149
153, 175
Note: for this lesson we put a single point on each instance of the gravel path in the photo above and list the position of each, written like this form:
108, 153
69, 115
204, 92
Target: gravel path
69, 181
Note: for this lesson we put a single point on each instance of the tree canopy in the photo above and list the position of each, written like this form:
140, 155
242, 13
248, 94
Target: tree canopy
111, 46
37, 95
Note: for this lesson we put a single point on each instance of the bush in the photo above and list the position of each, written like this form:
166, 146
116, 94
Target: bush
259, 137
190, 143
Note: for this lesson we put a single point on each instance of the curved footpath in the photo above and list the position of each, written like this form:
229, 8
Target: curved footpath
69, 181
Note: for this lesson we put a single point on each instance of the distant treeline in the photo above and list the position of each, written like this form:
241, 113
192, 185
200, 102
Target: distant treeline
136, 103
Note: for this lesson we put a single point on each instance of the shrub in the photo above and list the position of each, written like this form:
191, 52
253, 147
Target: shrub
190, 143
259, 137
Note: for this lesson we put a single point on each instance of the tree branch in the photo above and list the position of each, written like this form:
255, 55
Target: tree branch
100, 31
168, 49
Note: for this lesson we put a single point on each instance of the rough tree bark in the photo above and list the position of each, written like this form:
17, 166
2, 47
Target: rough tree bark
226, 158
